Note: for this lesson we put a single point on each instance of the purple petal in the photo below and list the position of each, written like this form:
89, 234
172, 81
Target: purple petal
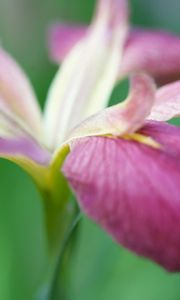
62, 38
165, 134
155, 52
23, 148
132, 191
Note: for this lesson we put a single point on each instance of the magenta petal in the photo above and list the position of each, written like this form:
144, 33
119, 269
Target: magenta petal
165, 134
62, 37
133, 192
155, 52
23, 147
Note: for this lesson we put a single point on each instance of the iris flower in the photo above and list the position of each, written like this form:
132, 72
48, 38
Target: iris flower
124, 169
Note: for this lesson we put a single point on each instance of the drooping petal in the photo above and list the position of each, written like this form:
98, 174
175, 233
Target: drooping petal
86, 79
62, 38
132, 191
154, 52
20, 146
26, 153
123, 118
167, 104
23, 147
16, 94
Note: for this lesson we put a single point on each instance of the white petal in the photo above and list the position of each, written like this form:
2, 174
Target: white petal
16, 94
84, 83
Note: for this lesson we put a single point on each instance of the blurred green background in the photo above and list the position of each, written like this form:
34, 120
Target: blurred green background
100, 269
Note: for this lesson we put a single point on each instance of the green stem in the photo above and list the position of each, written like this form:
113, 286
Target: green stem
57, 224
55, 286
60, 219
57, 217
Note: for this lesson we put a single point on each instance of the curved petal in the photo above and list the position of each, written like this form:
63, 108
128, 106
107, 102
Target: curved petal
62, 38
23, 147
132, 191
167, 104
154, 52
86, 79
26, 153
123, 118
16, 94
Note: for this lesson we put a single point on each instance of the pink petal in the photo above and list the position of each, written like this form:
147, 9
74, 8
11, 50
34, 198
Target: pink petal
122, 118
132, 191
29, 155
115, 12
155, 52
16, 94
167, 105
165, 134
62, 38
20, 148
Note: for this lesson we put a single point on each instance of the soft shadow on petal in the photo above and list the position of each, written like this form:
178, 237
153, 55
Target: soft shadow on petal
133, 192
154, 52
122, 118
167, 104
16, 94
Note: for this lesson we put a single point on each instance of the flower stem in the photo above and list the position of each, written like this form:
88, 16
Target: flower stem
60, 215
54, 291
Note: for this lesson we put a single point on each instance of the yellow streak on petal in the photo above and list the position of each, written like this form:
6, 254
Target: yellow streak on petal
142, 139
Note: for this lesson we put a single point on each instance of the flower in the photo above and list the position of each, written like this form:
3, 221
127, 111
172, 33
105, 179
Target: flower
124, 167
31, 138
128, 150
152, 51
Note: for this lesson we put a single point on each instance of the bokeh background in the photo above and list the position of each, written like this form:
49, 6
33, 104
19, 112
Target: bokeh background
100, 269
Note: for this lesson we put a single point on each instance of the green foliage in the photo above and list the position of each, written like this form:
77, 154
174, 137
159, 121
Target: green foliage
102, 270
